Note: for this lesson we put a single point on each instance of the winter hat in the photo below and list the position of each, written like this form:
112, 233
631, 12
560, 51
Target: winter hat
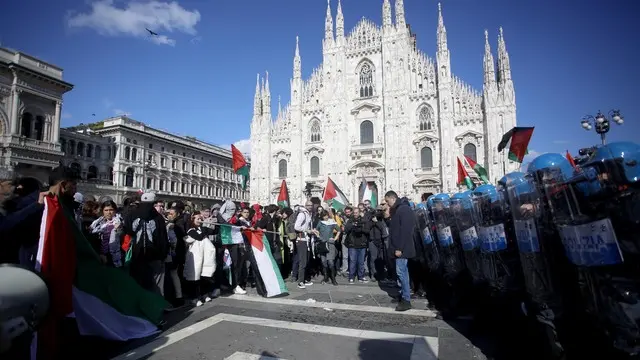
78, 197
148, 197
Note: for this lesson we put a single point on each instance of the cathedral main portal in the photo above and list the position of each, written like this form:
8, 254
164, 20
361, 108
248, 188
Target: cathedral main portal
372, 174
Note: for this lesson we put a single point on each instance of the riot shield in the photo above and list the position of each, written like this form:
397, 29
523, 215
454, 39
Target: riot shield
466, 221
429, 247
500, 259
448, 237
596, 212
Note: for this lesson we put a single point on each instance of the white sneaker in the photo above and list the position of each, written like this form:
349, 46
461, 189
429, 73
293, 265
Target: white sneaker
240, 291
199, 303
308, 283
207, 299
301, 285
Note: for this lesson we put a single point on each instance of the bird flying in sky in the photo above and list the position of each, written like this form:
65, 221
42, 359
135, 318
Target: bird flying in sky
152, 33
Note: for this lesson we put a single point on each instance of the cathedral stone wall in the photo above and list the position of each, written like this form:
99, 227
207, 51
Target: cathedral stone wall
379, 110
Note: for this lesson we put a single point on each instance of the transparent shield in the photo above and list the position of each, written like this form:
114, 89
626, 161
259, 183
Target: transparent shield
428, 247
448, 239
466, 220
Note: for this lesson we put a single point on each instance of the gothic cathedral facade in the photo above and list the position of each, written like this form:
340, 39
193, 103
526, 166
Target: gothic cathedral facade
379, 110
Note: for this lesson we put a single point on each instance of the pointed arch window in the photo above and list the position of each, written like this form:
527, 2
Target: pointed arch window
366, 80
366, 132
470, 151
282, 168
425, 118
315, 132
426, 158
314, 163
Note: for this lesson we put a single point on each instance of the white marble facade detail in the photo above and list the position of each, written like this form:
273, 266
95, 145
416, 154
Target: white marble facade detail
377, 108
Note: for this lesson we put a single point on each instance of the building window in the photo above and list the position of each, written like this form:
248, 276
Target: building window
80, 149
89, 150
174, 164
315, 166
426, 158
470, 151
161, 188
128, 178
98, 152
25, 128
315, 131
173, 186
134, 154
76, 169
183, 188
163, 162
127, 153
150, 146
193, 168
366, 132
425, 118
366, 81
92, 172
38, 128
193, 189
149, 183
282, 168
184, 166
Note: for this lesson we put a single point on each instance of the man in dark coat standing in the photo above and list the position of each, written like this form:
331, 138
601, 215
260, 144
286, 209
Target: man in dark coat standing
401, 231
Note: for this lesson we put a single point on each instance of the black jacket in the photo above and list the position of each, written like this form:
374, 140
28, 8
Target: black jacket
357, 232
146, 212
402, 229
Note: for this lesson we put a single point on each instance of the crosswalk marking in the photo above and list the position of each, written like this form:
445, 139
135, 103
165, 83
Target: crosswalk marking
246, 356
334, 306
424, 347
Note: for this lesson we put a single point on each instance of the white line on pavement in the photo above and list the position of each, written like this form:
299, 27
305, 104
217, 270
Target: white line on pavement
246, 356
334, 306
424, 347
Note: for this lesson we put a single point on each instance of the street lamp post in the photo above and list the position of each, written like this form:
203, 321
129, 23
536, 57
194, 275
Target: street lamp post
601, 123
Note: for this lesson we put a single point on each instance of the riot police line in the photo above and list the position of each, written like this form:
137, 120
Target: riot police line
546, 261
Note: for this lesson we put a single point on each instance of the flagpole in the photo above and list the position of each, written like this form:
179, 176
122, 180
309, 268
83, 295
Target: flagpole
246, 228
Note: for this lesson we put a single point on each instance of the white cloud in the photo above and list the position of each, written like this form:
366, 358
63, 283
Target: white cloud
66, 116
108, 104
120, 112
244, 146
135, 17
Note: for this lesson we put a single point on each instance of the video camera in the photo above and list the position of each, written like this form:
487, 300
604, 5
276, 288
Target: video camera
24, 302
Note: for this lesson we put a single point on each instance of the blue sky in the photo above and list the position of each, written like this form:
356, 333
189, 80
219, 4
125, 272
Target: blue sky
569, 58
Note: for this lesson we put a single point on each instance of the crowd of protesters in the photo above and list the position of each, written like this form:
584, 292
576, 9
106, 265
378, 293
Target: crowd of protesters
175, 250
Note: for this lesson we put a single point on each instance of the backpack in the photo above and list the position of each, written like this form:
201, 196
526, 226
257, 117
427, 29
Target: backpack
146, 246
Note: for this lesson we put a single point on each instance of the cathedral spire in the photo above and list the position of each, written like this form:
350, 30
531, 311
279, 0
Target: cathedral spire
386, 15
257, 99
279, 107
504, 66
266, 99
328, 25
297, 62
442, 31
489, 65
400, 20
339, 24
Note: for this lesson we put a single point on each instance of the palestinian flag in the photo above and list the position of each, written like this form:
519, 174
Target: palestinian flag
482, 172
518, 140
240, 165
270, 282
369, 194
230, 234
334, 197
283, 195
571, 159
463, 176
106, 302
